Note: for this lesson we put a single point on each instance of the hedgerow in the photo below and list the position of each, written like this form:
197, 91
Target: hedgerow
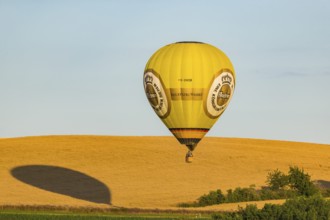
300, 208
279, 186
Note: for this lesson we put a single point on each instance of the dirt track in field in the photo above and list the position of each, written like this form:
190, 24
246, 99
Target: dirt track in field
142, 172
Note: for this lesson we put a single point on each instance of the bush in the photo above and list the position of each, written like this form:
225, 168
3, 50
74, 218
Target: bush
302, 208
301, 182
325, 192
268, 194
270, 212
250, 212
227, 216
277, 180
242, 195
307, 208
214, 197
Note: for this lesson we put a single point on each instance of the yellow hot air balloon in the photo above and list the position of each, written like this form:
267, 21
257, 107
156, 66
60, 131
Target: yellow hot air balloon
189, 85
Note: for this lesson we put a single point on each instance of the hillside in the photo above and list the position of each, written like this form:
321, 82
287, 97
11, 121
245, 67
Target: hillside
143, 172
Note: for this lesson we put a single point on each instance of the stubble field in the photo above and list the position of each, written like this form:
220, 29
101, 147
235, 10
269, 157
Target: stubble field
142, 172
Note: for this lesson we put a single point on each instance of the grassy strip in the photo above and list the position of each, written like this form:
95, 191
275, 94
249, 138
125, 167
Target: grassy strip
96, 210
57, 216
21, 216
73, 213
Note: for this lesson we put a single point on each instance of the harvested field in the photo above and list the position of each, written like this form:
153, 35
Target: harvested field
142, 172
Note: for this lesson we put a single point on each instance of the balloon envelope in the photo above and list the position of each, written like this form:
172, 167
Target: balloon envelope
189, 85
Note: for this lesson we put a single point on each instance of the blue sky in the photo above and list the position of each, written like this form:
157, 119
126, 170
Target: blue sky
75, 67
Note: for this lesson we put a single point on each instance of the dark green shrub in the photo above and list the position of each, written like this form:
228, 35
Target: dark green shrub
270, 212
188, 204
268, 194
277, 180
307, 208
214, 197
299, 208
250, 212
301, 182
227, 216
242, 195
325, 192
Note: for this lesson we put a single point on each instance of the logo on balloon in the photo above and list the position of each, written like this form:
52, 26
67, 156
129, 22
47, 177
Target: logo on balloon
220, 93
155, 92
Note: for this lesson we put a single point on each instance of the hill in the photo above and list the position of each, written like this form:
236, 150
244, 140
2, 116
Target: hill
142, 172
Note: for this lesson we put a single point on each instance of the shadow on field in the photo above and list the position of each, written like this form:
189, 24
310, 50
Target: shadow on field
323, 184
64, 181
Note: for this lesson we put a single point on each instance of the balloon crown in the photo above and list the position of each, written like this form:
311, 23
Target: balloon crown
148, 79
226, 79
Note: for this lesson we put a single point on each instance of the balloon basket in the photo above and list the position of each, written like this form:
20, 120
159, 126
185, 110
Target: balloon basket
189, 159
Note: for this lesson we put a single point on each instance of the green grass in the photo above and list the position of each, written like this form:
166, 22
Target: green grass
40, 215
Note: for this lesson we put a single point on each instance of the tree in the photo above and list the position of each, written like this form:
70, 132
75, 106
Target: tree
277, 180
301, 182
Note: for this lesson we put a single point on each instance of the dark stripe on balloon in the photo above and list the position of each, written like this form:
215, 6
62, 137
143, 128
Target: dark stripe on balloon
189, 129
189, 141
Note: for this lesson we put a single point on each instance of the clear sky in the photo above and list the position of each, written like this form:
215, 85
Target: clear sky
76, 67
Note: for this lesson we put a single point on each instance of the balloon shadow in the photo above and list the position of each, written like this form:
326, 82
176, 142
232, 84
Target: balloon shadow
64, 181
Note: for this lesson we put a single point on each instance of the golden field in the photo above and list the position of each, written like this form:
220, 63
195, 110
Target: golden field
142, 172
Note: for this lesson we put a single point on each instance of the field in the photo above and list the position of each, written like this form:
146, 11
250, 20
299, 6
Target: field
110, 172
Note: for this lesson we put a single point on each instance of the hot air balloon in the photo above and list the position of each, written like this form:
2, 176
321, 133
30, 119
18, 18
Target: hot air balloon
189, 85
